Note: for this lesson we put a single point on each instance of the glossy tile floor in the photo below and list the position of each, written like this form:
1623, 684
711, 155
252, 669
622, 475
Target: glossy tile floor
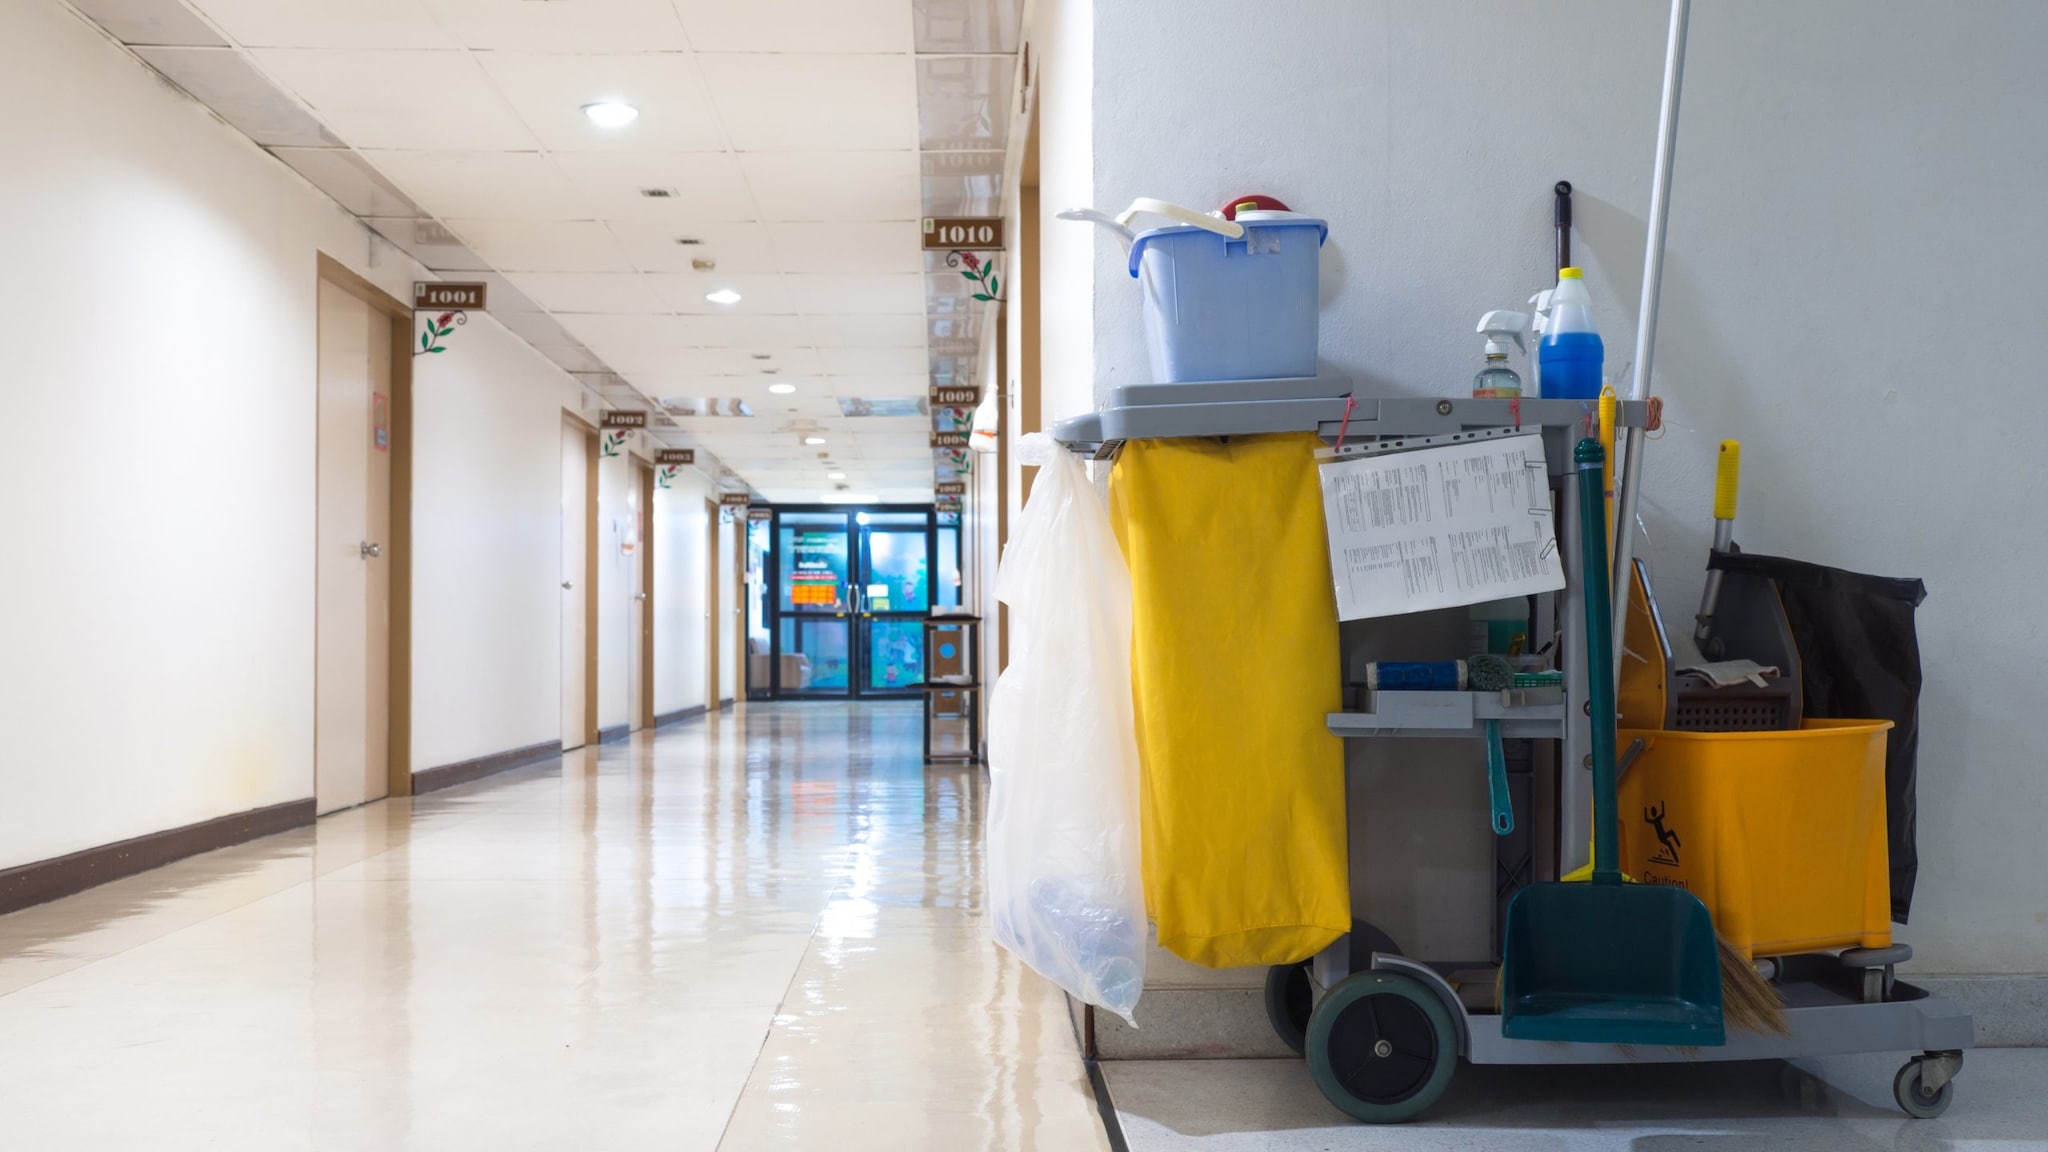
1840, 1104
742, 934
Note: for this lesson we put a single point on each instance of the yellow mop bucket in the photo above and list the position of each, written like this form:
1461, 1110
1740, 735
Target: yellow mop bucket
1780, 834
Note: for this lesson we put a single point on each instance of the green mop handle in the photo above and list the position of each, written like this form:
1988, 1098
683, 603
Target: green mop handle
1592, 462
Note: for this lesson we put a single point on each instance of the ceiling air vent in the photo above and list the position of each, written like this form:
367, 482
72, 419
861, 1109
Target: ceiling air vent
660, 193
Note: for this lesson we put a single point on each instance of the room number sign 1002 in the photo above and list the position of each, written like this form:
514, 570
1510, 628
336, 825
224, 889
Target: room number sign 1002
963, 233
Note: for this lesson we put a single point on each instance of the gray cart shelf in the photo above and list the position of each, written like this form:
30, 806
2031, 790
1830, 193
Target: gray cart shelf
1835, 1004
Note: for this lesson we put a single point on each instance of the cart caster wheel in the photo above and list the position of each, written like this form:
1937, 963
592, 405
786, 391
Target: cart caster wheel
1382, 1047
1289, 1001
1911, 1092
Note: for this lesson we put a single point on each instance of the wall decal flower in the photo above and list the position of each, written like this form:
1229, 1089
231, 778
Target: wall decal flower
978, 273
437, 327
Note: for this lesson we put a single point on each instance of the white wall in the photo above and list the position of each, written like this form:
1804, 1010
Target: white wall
487, 540
1855, 255
157, 304
1062, 39
682, 532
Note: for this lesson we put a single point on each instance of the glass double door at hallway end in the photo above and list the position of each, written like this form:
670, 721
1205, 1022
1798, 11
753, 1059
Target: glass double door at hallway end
852, 589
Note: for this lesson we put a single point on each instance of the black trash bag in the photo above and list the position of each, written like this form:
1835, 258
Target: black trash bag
1860, 660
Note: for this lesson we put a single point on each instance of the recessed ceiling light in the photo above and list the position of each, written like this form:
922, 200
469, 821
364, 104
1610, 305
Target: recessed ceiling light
835, 475
814, 439
611, 114
782, 389
723, 296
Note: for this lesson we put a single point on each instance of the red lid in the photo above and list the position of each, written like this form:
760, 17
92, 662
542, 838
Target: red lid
1253, 203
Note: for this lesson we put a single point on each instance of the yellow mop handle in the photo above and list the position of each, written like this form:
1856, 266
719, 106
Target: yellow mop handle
1727, 479
1610, 411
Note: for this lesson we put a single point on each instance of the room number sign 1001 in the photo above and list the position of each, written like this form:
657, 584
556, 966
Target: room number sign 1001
963, 233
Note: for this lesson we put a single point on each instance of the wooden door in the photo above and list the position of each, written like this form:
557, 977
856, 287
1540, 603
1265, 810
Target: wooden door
575, 588
634, 547
352, 629
712, 657
644, 482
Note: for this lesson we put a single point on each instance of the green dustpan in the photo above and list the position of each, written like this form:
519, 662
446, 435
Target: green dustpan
1608, 962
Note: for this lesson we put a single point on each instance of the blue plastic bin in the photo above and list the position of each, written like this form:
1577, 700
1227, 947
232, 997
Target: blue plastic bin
1222, 309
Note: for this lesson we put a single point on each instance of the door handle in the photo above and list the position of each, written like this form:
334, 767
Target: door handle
372, 551
566, 584
639, 595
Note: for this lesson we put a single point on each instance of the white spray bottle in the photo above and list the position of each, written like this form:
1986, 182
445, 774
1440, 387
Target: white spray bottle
1497, 380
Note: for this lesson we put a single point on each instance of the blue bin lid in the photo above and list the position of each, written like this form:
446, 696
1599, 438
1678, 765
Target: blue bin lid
1250, 220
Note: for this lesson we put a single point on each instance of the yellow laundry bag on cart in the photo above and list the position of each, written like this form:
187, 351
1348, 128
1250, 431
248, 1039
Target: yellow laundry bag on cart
1235, 664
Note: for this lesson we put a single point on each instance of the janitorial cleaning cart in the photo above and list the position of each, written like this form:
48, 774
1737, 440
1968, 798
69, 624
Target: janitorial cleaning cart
1705, 875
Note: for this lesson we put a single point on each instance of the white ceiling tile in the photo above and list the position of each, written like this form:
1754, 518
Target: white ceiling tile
801, 101
581, 26
874, 361
814, 405
419, 100
483, 185
797, 25
849, 246
708, 187
640, 363
760, 295
733, 367
599, 329
760, 333
892, 443
560, 292
734, 248
799, 186
350, 180
543, 245
843, 295
867, 331
326, 23
550, 89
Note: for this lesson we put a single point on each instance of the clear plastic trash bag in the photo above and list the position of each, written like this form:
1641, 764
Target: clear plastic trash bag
1065, 890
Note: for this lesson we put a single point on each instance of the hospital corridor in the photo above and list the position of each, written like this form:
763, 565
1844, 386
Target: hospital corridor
1022, 576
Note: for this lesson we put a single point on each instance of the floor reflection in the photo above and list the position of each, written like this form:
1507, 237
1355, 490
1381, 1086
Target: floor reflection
751, 931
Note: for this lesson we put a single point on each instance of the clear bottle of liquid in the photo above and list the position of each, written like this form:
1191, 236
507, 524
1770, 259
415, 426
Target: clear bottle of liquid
1498, 381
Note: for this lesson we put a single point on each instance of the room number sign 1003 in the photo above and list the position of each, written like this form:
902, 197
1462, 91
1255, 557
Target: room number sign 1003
963, 233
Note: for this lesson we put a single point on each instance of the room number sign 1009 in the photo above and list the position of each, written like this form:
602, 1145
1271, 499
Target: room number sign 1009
963, 233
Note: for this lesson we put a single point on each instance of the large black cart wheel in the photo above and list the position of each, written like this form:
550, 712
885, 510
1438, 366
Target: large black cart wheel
1909, 1088
1289, 1001
1382, 1047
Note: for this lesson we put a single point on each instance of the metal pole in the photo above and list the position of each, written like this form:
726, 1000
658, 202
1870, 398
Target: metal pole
1574, 783
1646, 323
